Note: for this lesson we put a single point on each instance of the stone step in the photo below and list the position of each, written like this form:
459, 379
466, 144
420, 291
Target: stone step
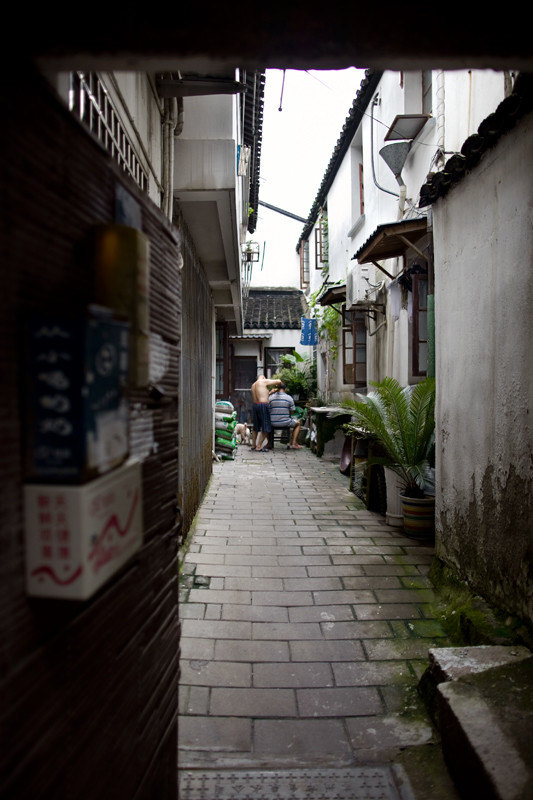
484, 711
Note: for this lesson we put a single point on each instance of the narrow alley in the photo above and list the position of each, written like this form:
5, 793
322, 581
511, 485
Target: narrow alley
306, 622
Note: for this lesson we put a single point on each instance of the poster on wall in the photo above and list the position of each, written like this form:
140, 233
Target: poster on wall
77, 537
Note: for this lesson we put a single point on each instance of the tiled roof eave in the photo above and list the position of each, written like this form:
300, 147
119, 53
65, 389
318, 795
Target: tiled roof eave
353, 120
274, 309
510, 110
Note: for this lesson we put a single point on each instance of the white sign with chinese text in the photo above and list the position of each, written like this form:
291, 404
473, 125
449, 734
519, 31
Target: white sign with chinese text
78, 536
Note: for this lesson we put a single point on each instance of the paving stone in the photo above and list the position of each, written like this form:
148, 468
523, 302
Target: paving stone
216, 629
205, 558
320, 613
301, 739
193, 699
253, 702
312, 584
213, 611
307, 560
251, 560
249, 651
214, 734
335, 650
357, 559
371, 673
397, 648
387, 611
254, 584
363, 629
191, 647
304, 674
201, 672
227, 548
235, 597
350, 541
224, 570
391, 731
285, 632
285, 598
350, 596
257, 613
192, 610
353, 701
371, 582
340, 570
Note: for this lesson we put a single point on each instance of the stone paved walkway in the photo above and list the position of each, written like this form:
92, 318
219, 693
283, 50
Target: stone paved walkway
306, 622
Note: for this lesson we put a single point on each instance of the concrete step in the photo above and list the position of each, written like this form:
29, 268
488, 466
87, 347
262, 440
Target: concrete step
483, 706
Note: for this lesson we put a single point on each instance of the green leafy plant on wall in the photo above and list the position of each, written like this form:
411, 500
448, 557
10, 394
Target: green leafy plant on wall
328, 323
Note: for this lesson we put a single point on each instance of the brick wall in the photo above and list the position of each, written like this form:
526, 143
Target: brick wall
88, 690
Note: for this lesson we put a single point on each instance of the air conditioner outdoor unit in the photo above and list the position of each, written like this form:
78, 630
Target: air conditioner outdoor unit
356, 287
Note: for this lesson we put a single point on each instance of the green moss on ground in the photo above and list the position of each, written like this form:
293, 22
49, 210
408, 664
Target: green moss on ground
469, 619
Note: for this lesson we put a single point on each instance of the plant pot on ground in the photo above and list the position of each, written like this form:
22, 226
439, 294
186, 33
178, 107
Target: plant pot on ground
402, 422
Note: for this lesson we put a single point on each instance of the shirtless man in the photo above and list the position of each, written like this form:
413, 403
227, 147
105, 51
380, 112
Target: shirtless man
260, 410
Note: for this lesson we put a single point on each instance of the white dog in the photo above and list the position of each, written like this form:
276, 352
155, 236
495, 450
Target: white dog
242, 433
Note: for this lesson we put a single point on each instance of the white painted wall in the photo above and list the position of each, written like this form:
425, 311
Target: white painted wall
461, 100
484, 329
209, 117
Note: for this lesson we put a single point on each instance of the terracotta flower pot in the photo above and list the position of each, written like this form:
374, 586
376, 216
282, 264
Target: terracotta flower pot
418, 516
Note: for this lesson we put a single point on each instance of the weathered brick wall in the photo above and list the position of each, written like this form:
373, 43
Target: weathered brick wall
88, 690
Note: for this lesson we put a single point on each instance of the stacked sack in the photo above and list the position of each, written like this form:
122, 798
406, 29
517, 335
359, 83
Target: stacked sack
225, 422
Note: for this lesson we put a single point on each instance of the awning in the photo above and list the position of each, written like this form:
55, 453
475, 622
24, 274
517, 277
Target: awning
391, 240
333, 294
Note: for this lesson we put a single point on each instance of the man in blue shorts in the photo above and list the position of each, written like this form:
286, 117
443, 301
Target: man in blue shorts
260, 409
281, 410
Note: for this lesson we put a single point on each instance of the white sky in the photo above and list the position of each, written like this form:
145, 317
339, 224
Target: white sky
297, 144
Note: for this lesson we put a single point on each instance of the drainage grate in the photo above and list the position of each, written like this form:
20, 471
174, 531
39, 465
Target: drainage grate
363, 783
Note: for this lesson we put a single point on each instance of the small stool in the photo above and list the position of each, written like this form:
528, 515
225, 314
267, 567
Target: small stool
282, 435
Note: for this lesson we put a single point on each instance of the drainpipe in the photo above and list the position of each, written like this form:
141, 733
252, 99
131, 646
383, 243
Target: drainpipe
375, 102
430, 371
172, 127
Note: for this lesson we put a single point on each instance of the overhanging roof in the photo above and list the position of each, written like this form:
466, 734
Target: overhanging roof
391, 240
333, 294
278, 308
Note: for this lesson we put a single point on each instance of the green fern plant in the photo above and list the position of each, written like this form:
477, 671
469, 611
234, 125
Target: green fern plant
402, 422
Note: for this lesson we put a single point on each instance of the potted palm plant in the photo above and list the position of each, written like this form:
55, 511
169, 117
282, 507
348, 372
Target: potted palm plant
402, 422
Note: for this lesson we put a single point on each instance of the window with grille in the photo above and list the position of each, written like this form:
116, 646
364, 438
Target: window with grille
90, 101
354, 348
273, 359
420, 325
321, 243
304, 264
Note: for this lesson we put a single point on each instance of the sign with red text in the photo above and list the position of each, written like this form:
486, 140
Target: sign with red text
77, 537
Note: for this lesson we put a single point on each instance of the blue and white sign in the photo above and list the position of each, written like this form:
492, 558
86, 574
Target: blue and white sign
309, 332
